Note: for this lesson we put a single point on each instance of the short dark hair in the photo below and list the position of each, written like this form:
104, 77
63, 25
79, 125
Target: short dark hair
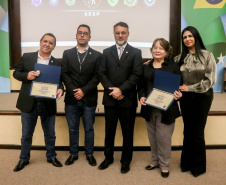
198, 43
84, 25
51, 35
166, 46
122, 24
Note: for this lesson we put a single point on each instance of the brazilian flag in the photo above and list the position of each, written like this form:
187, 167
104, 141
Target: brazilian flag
4, 48
209, 17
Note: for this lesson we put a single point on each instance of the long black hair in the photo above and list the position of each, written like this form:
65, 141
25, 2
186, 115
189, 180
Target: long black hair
198, 44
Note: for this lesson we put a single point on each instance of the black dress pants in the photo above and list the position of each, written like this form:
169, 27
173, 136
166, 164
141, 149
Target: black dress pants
126, 116
195, 108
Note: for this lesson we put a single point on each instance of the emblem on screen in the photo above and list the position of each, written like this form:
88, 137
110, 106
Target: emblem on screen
149, 3
130, 3
70, 2
92, 3
36, 2
54, 3
113, 2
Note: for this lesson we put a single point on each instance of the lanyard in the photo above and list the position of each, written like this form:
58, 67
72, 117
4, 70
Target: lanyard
80, 62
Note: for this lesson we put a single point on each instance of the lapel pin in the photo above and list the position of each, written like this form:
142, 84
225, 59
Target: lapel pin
51, 61
90, 53
126, 51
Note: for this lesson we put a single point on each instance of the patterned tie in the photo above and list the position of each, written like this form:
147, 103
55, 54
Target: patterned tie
121, 51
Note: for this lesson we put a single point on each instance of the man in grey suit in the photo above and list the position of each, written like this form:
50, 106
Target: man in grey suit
119, 72
31, 106
79, 74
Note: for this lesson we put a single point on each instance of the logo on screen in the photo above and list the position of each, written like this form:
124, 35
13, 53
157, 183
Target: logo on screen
149, 3
70, 2
53, 2
214, 1
130, 3
36, 2
92, 3
113, 2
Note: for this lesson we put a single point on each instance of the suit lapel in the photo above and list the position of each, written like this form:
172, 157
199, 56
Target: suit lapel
114, 53
125, 52
87, 59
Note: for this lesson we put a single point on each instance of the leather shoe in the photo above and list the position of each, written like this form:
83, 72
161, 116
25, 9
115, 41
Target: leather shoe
165, 174
105, 164
20, 165
149, 167
125, 168
92, 161
54, 162
71, 159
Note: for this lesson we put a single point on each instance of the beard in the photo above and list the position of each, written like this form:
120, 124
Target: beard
120, 43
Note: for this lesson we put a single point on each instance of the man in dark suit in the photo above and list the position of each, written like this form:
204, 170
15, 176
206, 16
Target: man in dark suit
119, 71
79, 74
31, 106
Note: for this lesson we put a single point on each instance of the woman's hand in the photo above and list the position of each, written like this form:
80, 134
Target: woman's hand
142, 101
183, 88
177, 95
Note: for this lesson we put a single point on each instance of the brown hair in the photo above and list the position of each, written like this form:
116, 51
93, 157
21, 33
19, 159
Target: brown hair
166, 46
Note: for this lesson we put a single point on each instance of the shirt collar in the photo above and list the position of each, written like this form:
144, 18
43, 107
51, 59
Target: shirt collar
80, 51
123, 46
39, 56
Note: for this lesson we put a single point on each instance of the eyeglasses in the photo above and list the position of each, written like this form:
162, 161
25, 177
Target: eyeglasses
80, 33
122, 33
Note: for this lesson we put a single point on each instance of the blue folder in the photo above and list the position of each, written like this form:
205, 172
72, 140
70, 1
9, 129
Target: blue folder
49, 74
167, 82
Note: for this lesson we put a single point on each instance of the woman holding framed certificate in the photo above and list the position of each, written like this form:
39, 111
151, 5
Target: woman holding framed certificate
198, 70
159, 123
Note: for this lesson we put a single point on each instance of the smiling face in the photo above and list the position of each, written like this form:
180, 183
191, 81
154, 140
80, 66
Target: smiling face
47, 45
121, 35
189, 40
158, 52
83, 36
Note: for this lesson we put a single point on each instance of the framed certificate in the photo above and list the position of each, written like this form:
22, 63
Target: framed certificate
159, 99
162, 94
47, 83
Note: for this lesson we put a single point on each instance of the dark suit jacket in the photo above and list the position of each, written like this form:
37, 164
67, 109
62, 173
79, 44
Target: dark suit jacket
25, 102
124, 74
146, 85
86, 79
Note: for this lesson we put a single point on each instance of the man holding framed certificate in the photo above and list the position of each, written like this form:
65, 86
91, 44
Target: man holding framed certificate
32, 106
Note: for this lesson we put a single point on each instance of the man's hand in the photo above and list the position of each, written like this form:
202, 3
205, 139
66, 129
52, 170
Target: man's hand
78, 94
116, 92
59, 93
32, 75
120, 97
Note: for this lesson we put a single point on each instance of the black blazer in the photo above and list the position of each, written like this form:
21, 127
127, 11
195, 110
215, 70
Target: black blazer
124, 74
86, 79
25, 102
146, 85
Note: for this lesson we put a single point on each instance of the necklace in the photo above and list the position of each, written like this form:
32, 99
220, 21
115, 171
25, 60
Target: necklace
80, 62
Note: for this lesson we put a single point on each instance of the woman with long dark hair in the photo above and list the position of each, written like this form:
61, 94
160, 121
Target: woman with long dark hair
198, 70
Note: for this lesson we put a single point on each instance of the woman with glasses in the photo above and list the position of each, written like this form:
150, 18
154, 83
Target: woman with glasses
159, 123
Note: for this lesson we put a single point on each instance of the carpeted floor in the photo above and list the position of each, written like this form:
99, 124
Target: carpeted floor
39, 172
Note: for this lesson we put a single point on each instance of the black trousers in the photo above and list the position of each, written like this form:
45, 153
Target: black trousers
126, 116
195, 108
